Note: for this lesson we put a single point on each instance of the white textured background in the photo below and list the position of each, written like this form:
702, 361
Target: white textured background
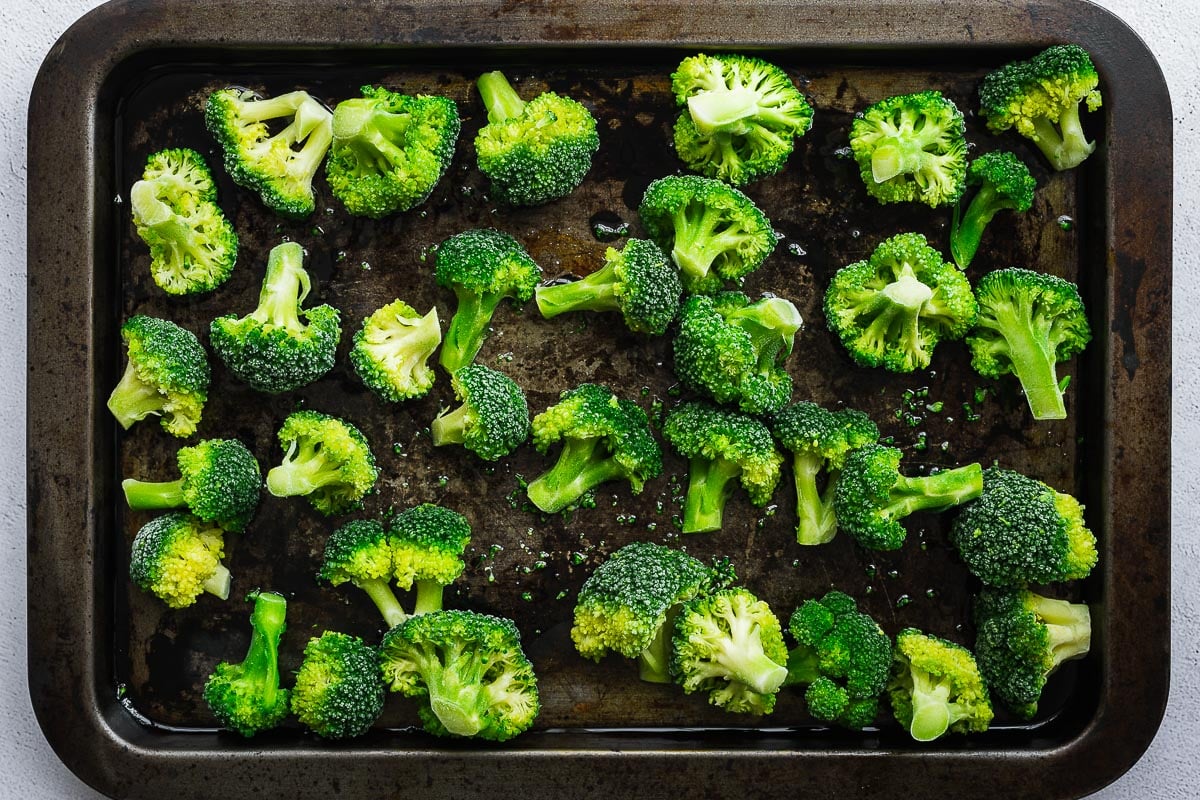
1170, 769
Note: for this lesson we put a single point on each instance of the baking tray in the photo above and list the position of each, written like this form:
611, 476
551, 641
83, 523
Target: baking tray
115, 678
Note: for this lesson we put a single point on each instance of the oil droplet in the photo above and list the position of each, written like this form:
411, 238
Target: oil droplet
796, 249
931, 593
903, 600
608, 226
1065, 222
893, 573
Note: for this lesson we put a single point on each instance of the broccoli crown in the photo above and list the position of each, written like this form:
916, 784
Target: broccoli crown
935, 687
533, 152
280, 346
733, 350
1004, 183
892, 309
389, 150
700, 431
176, 557
1028, 321
390, 351
166, 374
220, 482
468, 672
246, 697
713, 232
1021, 638
325, 459
493, 419
1022, 531
193, 247
338, 692
427, 544
743, 116
280, 166
358, 552
730, 645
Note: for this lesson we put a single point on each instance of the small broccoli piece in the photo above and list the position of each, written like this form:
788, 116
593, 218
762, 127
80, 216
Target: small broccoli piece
390, 150
819, 440
742, 119
1028, 321
482, 267
629, 603
605, 438
936, 687
280, 346
325, 459
391, 349
872, 497
1041, 97
219, 482
176, 557
427, 545
533, 152
167, 374
280, 166
467, 671
338, 692
493, 419
911, 148
637, 281
1004, 183
1022, 637
193, 247
1022, 531
246, 697
722, 446
733, 350
730, 645
713, 232
892, 309
359, 552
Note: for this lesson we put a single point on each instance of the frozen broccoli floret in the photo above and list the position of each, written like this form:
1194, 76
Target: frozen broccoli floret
219, 482
177, 557
167, 374
391, 350
493, 418
326, 460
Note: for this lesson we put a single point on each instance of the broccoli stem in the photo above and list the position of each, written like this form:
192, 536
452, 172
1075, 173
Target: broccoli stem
143, 495
219, 582
385, 600
371, 134
933, 713
723, 110
966, 232
467, 330
303, 471
429, 596
803, 666
582, 465
499, 97
283, 105
284, 289
133, 399
816, 523
899, 155
710, 483
455, 702
1068, 628
935, 492
449, 428
743, 657
1065, 145
596, 292
261, 665
698, 241
654, 661
1033, 362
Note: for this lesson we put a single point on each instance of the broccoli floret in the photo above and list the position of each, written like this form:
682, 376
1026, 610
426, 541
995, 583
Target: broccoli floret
629, 603
733, 350
280, 346
936, 687
605, 438
819, 440
1028, 321
1041, 97
742, 119
427, 547
638, 281
389, 150
1022, 531
533, 152
359, 552
176, 557
911, 148
1022, 637
892, 309
872, 497
730, 645
219, 482
193, 247
391, 349
713, 232
279, 167
325, 459
467, 671
246, 697
722, 446
167, 374
482, 267
1004, 183
493, 418
339, 691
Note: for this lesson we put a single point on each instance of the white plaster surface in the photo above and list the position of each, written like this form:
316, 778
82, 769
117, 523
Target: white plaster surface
1170, 768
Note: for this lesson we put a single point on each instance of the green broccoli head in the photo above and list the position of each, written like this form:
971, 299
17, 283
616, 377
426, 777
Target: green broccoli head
167, 374
1041, 98
427, 546
176, 557
742, 116
493, 418
359, 552
326, 460
1004, 183
246, 697
1022, 531
467, 671
389, 150
1028, 322
219, 482
713, 232
892, 309
935, 687
391, 350
338, 692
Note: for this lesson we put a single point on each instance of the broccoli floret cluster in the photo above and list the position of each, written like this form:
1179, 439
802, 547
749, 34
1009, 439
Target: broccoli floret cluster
246, 697
166, 374
177, 557
1004, 183
338, 692
492, 419
219, 482
391, 350
326, 460
935, 687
